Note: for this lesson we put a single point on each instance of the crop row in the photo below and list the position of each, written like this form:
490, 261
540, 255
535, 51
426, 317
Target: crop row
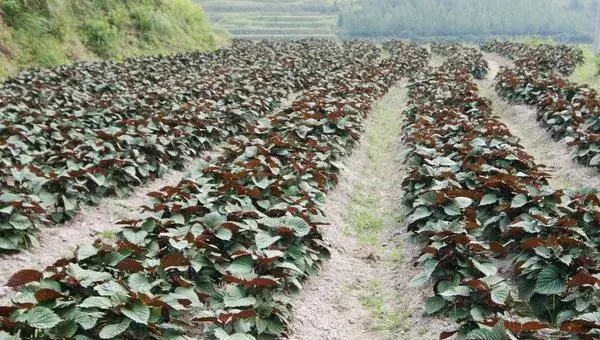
568, 111
71, 135
228, 244
508, 256
545, 57
465, 57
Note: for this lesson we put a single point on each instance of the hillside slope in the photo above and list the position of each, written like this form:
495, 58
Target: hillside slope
39, 33
274, 19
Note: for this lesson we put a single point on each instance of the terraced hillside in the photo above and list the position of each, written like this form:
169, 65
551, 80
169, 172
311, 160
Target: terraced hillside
274, 19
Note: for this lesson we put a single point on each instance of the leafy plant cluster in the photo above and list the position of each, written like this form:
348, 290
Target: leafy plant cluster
74, 134
569, 111
546, 57
508, 256
466, 57
225, 247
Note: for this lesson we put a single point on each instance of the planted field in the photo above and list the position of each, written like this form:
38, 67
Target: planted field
264, 130
74, 134
508, 256
223, 248
570, 112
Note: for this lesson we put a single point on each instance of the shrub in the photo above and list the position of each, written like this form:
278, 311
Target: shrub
101, 37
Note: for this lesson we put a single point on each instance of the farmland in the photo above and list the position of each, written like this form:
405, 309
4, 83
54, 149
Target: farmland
223, 246
310, 189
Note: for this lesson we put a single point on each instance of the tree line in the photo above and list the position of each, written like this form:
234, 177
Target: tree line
476, 19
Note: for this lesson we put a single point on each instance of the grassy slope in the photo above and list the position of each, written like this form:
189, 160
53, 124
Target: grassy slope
53, 32
588, 72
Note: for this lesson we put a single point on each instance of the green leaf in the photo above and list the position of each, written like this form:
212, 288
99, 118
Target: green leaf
241, 266
456, 291
111, 288
264, 240
101, 302
297, 224
69, 204
86, 251
66, 329
452, 208
593, 317
234, 302
488, 199
418, 214
213, 220
113, 330
428, 268
595, 161
42, 318
87, 277
519, 201
488, 269
190, 294
487, 334
85, 320
550, 281
20, 222
463, 202
224, 234
434, 304
137, 312
500, 293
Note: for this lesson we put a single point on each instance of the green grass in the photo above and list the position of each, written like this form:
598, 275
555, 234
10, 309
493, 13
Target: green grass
388, 317
588, 73
369, 211
373, 212
36, 33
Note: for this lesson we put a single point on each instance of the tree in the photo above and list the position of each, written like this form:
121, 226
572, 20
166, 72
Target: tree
597, 30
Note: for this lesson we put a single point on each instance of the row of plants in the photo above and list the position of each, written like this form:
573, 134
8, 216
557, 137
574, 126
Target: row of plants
72, 135
548, 57
466, 57
227, 246
568, 111
508, 256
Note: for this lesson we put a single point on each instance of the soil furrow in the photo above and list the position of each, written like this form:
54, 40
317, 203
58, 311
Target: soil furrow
362, 291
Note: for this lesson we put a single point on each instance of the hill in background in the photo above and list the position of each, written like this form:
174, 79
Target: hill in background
274, 19
566, 20
43, 33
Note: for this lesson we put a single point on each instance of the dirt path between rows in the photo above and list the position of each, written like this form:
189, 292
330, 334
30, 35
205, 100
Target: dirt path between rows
362, 292
92, 222
521, 120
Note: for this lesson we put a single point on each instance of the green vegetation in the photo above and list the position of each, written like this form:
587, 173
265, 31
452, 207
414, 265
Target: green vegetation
369, 211
467, 19
53, 32
269, 19
588, 72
